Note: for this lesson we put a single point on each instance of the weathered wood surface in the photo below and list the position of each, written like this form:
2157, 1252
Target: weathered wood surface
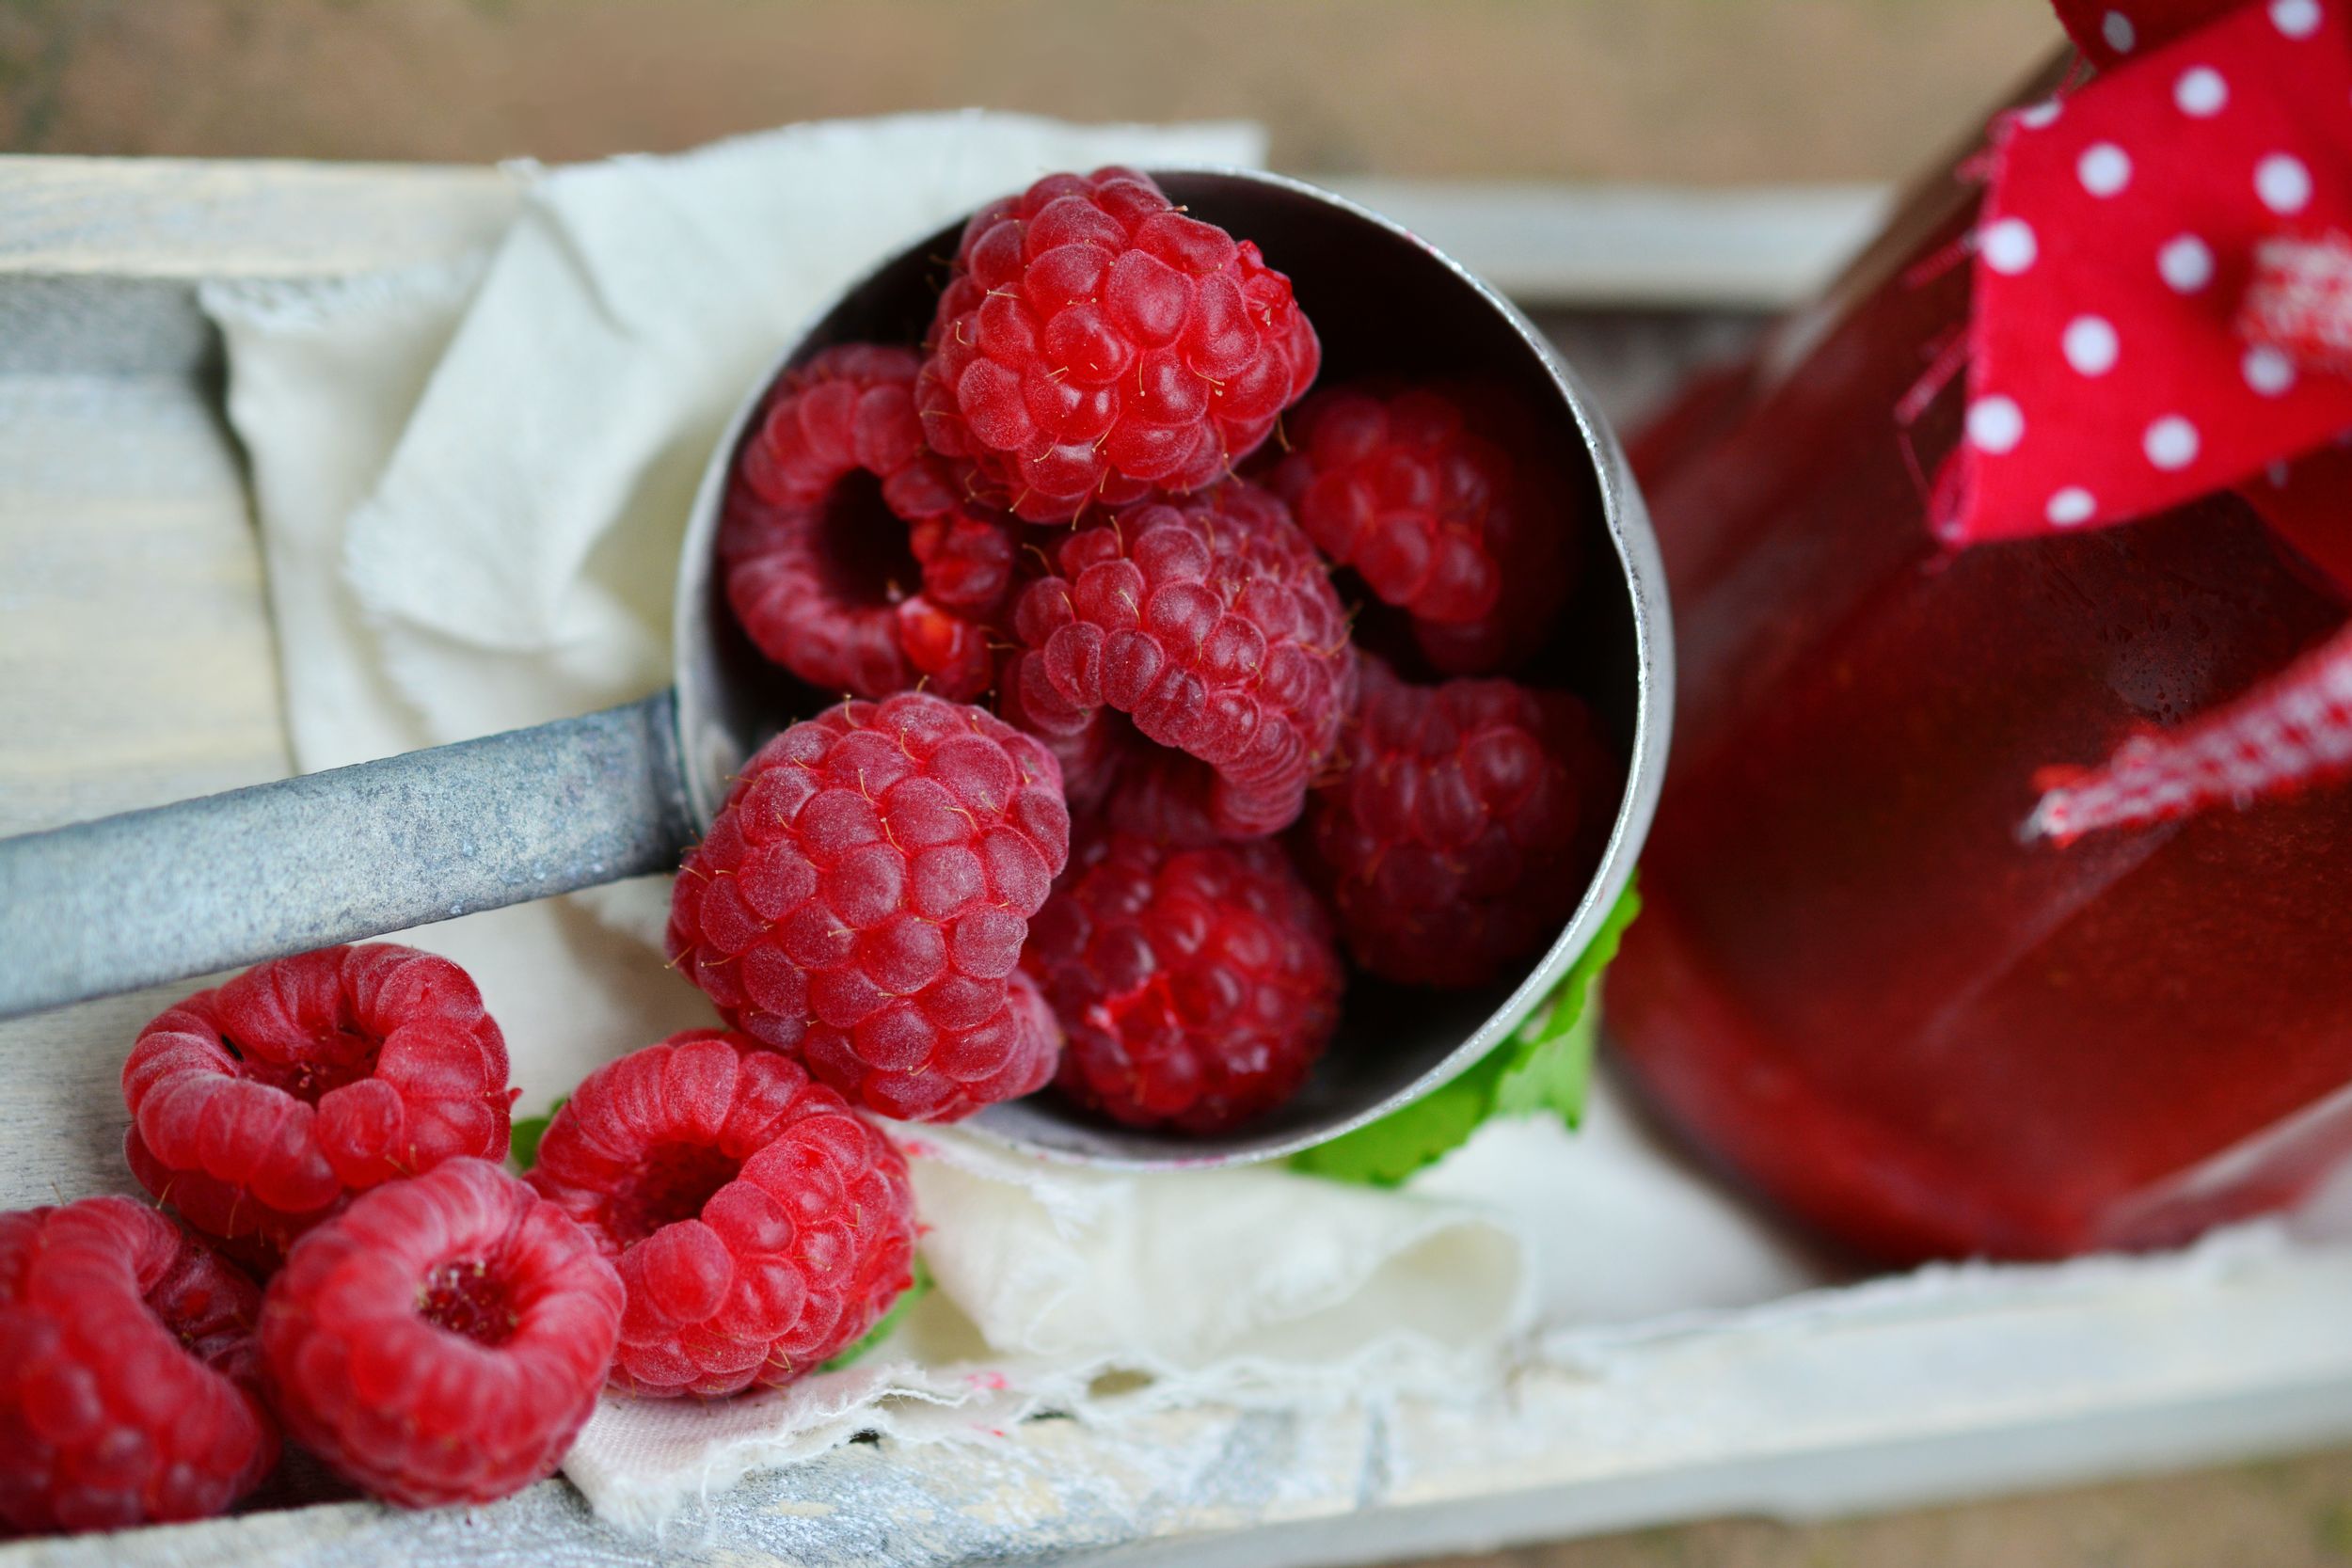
197, 218
1758, 247
1545, 245
136, 666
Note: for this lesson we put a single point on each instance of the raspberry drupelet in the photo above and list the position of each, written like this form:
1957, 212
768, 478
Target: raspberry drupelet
259, 1108
442, 1340
849, 557
862, 900
1461, 830
1094, 343
759, 1223
128, 1372
1197, 985
1212, 624
1092, 754
1438, 498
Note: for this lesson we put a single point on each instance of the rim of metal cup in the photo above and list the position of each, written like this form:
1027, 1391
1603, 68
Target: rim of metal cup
727, 704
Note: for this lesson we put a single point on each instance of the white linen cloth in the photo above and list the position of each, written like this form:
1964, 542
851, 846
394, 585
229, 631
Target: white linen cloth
471, 482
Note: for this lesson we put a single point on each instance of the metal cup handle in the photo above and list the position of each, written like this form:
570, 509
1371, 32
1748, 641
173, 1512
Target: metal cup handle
111, 904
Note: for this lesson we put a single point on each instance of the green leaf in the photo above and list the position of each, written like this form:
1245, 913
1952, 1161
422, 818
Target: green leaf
1544, 1067
522, 1146
1548, 1064
1399, 1143
888, 1322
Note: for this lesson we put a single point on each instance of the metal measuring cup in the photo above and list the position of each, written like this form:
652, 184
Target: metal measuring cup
112, 904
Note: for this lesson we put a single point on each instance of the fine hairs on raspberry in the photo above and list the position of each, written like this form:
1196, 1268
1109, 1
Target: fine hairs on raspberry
759, 1223
1095, 343
442, 1340
862, 900
259, 1108
128, 1375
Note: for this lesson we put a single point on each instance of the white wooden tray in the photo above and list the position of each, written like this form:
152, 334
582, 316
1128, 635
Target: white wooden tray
135, 667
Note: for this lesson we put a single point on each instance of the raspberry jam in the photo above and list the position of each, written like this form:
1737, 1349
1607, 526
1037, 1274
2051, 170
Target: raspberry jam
1853, 985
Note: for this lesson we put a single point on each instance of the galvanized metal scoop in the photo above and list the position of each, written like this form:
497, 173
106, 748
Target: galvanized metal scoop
127, 901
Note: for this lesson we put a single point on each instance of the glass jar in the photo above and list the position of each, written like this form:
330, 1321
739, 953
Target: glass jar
1854, 986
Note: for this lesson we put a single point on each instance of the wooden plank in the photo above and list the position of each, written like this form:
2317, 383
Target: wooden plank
135, 668
196, 217
1762, 247
1546, 244
136, 664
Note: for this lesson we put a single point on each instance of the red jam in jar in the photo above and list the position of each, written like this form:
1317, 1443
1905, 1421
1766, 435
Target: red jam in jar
1853, 985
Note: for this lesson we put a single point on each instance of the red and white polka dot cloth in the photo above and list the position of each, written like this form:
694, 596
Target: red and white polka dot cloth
2163, 298
2108, 377
2290, 733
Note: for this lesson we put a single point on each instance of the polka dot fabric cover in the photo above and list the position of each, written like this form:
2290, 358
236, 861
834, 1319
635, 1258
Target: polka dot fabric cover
2112, 372
2163, 308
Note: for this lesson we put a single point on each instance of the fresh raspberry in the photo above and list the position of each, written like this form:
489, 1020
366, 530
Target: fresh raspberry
1464, 828
1197, 985
259, 1108
849, 557
1094, 343
1439, 501
1167, 796
1092, 754
759, 1223
442, 1340
1212, 624
127, 1371
1111, 774
864, 896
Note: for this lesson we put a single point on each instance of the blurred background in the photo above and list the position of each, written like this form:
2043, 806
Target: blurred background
1704, 91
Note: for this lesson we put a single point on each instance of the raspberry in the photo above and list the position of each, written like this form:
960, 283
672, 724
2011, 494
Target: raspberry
1465, 827
1092, 755
1440, 502
1094, 343
442, 1340
1197, 985
1212, 624
259, 1108
1112, 775
864, 894
1167, 796
758, 1223
850, 560
127, 1371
